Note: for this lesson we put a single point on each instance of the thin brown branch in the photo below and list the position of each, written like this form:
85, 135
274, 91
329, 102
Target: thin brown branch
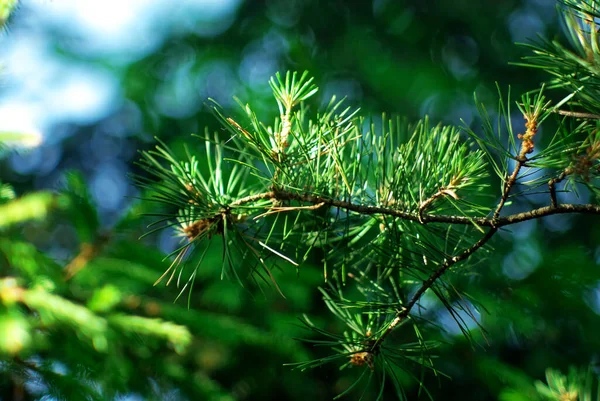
507, 187
526, 147
426, 218
552, 185
428, 202
447, 264
578, 114
279, 209
547, 211
401, 315
253, 198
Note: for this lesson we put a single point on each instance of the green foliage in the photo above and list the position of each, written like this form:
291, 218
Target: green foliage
579, 385
32, 206
330, 182
107, 308
574, 69
389, 222
359, 196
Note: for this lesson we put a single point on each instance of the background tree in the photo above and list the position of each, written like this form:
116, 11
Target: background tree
98, 280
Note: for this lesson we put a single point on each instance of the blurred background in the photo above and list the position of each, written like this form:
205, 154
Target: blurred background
99, 80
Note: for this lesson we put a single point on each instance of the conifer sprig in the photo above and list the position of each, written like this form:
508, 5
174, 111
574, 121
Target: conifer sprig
392, 210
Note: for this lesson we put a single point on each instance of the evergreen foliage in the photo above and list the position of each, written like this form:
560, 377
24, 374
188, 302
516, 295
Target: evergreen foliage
387, 219
395, 208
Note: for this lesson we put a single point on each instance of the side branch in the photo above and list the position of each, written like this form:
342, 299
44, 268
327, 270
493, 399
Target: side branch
578, 114
552, 185
401, 315
510, 181
508, 186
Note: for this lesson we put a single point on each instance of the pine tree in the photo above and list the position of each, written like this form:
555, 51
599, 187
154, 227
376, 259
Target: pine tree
396, 214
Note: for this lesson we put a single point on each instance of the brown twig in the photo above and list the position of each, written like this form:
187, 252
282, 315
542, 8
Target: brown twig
279, 209
427, 218
577, 114
552, 185
401, 315
526, 148
507, 187
429, 201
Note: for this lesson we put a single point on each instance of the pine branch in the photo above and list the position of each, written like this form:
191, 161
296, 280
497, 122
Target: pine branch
409, 179
424, 218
